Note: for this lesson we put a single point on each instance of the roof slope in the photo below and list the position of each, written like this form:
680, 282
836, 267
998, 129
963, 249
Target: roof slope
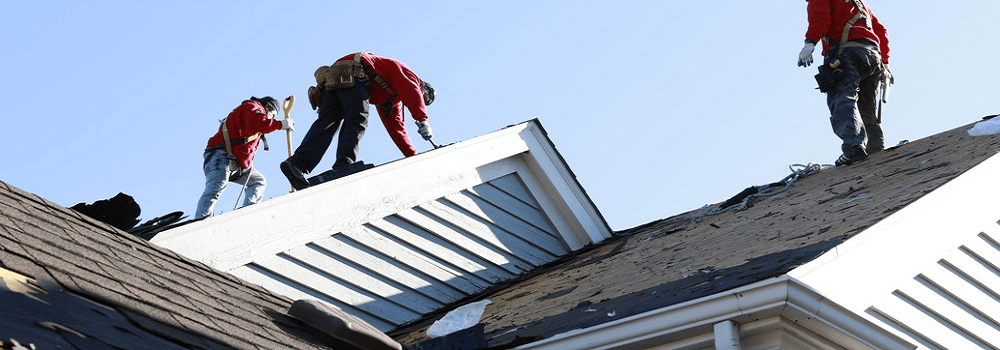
122, 292
679, 259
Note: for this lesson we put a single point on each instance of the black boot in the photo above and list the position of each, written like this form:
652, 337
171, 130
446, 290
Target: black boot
294, 175
851, 155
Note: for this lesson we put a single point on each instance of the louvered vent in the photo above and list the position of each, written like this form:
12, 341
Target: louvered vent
956, 300
395, 269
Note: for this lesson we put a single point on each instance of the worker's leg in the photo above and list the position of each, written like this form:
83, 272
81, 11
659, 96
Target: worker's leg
867, 107
317, 140
216, 168
255, 185
845, 118
355, 106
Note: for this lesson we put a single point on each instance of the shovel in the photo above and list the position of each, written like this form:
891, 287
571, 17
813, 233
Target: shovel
287, 106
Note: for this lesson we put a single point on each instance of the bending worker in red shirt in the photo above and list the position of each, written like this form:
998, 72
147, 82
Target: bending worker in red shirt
855, 63
342, 96
230, 152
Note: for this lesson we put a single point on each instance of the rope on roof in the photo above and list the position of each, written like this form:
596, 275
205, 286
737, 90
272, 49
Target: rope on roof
742, 199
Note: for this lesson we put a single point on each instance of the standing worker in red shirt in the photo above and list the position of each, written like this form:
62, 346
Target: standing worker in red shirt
855, 63
342, 96
230, 152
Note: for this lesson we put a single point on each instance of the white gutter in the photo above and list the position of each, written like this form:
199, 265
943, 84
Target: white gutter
693, 323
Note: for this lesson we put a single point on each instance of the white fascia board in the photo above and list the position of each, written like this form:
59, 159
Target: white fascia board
756, 305
562, 184
890, 253
237, 238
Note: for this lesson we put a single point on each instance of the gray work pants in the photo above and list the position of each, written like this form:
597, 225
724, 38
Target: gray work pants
854, 100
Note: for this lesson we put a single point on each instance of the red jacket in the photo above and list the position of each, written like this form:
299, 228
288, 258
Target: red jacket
406, 84
248, 119
827, 18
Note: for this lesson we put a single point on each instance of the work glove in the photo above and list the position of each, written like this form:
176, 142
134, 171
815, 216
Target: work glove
288, 124
806, 55
424, 129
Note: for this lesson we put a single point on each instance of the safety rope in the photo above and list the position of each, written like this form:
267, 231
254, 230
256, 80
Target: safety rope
240, 196
798, 171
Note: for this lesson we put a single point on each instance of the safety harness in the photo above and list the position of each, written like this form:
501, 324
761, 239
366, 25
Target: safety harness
228, 144
370, 72
862, 15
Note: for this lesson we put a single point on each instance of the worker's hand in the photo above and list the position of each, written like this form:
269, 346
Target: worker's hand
424, 129
806, 55
288, 124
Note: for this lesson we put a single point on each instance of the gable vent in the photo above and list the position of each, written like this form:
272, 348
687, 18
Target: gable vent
954, 304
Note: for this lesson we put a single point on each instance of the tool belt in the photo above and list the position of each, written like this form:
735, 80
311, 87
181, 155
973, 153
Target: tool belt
341, 74
345, 74
830, 74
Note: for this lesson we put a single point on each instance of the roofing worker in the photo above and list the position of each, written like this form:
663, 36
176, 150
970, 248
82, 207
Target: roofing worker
342, 95
855, 63
230, 152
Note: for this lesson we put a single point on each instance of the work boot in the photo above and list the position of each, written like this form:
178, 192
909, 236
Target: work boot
852, 155
294, 175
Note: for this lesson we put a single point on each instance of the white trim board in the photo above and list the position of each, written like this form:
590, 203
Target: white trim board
778, 313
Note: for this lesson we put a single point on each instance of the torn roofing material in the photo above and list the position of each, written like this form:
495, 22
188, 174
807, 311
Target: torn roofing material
73, 282
679, 259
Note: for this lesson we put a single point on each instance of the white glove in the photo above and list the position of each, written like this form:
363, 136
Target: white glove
288, 124
806, 55
424, 129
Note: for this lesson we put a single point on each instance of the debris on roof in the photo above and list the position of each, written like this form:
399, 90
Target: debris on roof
120, 211
989, 126
341, 325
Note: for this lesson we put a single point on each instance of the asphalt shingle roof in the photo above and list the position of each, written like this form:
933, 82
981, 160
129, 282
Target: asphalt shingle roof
119, 291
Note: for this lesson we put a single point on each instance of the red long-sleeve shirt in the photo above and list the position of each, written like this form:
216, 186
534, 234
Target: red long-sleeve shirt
828, 18
247, 119
406, 84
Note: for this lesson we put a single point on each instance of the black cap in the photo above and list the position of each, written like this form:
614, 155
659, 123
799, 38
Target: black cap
428, 92
268, 102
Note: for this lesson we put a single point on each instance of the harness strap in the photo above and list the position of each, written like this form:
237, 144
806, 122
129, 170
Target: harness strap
225, 136
861, 15
228, 144
377, 79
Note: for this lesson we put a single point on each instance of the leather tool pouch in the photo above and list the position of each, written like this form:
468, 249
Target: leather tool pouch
828, 77
314, 93
341, 75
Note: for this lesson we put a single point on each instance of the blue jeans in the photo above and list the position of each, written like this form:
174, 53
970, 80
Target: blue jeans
219, 171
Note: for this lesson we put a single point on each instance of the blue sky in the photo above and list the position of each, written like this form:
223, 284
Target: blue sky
659, 107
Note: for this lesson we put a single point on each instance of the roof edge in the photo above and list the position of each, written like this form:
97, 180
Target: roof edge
783, 298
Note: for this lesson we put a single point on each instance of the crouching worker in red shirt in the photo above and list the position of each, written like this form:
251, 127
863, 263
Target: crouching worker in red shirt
230, 152
341, 97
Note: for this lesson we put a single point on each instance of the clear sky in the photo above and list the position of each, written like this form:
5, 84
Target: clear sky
659, 107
